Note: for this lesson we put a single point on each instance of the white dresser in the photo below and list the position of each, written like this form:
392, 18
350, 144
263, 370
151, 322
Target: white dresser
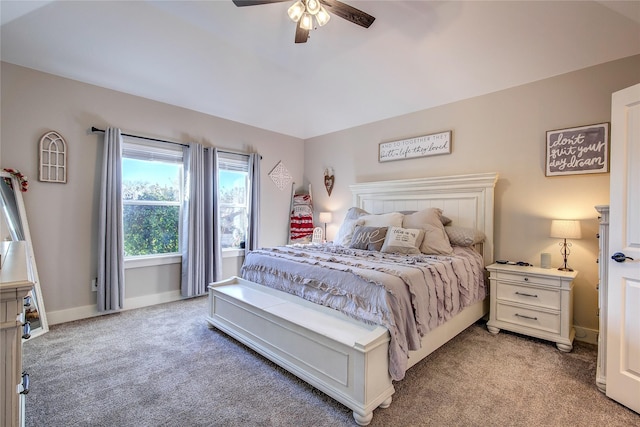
532, 301
16, 282
603, 274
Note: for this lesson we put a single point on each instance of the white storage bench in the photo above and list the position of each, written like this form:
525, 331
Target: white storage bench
346, 359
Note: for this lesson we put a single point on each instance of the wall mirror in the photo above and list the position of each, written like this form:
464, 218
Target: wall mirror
14, 226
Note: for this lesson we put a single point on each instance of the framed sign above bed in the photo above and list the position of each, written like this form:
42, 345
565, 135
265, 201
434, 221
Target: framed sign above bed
419, 146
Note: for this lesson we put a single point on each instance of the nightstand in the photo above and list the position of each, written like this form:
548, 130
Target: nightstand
533, 301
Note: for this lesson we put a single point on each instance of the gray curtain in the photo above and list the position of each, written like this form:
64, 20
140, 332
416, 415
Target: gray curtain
201, 253
254, 203
111, 239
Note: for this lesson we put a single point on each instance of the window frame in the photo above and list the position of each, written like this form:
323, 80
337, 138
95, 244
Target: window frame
141, 149
235, 162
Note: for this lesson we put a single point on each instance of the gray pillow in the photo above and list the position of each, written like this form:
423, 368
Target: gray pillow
464, 236
369, 238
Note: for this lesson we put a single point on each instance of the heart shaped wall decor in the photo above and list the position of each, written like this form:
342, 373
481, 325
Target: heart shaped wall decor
329, 180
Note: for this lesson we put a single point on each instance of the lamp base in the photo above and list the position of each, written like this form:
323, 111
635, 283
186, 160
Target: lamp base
565, 269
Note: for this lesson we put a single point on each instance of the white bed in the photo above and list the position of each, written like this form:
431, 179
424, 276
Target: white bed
344, 358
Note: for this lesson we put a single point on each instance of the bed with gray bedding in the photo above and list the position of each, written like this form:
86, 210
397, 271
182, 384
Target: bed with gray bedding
352, 317
409, 295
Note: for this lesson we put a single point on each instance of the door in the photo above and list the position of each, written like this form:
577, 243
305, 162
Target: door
623, 308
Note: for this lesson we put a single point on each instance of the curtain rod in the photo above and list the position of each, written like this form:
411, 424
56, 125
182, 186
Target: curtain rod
95, 129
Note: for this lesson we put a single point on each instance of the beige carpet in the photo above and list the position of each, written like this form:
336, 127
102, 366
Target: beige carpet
163, 366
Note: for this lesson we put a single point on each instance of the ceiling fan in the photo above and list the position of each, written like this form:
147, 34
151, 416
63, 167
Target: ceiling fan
303, 13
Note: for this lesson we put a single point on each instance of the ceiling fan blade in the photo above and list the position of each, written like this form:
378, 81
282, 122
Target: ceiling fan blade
241, 3
302, 35
349, 13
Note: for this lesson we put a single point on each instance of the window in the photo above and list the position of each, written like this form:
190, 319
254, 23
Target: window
152, 187
233, 198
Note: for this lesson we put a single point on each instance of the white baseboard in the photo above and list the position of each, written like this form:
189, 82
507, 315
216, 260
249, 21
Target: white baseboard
87, 311
77, 313
586, 335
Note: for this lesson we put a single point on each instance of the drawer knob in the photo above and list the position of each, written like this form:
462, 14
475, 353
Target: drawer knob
25, 383
526, 279
526, 317
526, 295
26, 330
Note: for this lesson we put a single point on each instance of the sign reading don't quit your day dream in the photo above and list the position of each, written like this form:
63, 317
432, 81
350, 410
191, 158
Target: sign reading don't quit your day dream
578, 150
420, 146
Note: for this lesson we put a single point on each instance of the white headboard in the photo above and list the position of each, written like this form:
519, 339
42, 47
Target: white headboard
466, 199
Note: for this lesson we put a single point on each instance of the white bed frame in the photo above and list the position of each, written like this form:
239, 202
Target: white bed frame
344, 358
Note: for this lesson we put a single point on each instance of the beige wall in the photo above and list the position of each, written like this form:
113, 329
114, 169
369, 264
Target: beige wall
501, 132
63, 217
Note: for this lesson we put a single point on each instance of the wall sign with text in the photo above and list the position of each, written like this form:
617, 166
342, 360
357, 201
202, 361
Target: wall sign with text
579, 150
420, 146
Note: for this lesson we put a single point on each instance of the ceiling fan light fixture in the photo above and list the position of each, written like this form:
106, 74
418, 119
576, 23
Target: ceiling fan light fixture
306, 22
296, 11
313, 6
322, 16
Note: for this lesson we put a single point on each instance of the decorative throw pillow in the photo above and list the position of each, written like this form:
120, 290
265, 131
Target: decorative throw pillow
345, 232
445, 221
393, 219
436, 241
403, 240
369, 238
464, 236
355, 213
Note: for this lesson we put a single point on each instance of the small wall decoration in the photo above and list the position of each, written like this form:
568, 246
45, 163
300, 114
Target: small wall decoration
280, 176
420, 146
53, 158
329, 180
578, 150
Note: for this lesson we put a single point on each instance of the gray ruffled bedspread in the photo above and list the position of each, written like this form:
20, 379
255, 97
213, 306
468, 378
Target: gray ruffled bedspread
408, 294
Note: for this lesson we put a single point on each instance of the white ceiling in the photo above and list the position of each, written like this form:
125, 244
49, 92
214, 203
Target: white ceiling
242, 64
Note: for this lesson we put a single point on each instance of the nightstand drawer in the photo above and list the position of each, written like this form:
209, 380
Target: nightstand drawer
527, 278
539, 297
549, 322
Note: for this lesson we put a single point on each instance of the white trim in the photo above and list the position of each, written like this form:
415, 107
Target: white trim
587, 335
87, 311
152, 260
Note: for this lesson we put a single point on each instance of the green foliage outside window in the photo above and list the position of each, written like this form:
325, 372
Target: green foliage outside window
151, 216
150, 230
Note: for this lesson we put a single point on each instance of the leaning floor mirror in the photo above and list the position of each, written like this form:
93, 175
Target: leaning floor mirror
14, 226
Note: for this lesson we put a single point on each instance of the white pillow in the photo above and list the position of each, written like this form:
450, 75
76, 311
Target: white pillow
393, 219
345, 232
403, 240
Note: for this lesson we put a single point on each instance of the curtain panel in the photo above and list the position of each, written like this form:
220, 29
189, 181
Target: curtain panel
110, 232
254, 203
200, 245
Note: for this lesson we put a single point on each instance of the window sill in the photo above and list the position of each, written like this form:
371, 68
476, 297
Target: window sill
232, 253
152, 260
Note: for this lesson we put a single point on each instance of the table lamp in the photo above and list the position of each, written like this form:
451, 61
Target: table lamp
565, 229
325, 217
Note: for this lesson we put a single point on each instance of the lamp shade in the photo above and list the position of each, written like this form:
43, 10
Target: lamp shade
565, 229
325, 217
296, 10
